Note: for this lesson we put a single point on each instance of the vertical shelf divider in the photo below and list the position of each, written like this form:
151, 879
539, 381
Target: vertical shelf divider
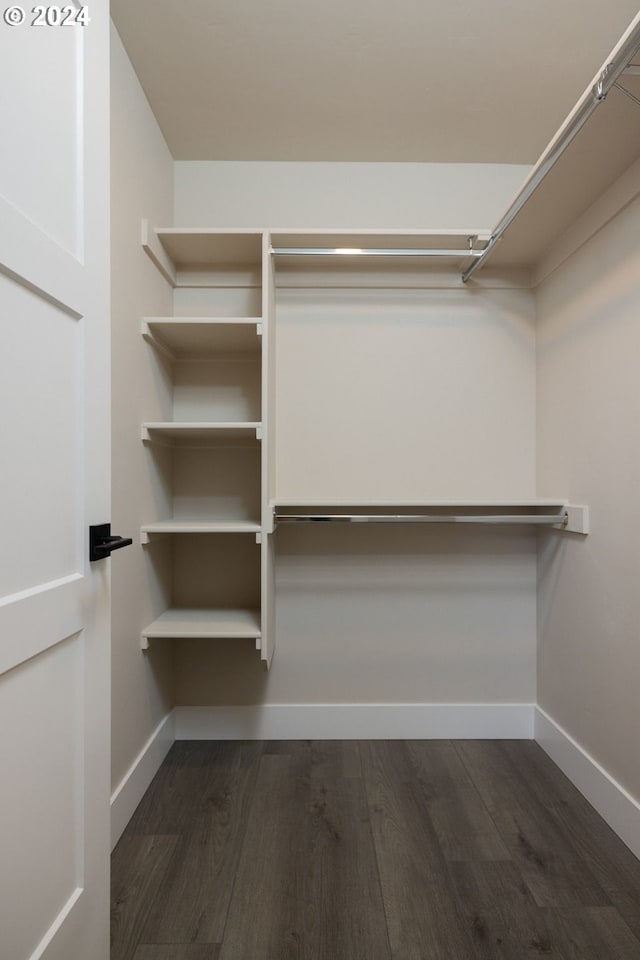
268, 451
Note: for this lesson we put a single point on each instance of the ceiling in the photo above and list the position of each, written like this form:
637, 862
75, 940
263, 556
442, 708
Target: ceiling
366, 80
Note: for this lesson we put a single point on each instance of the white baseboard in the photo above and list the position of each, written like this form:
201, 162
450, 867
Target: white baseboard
131, 789
614, 804
352, 721
382, 721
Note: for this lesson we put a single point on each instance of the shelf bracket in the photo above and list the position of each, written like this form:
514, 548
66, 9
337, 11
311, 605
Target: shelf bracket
155, 251
158, 345
577, 519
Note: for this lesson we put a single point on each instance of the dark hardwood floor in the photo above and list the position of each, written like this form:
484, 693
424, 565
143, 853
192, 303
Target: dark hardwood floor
370, 850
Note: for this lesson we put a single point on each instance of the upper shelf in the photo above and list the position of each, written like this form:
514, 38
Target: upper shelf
605, 147
180, 253
566, 196
560, 200
181, 337
200, 247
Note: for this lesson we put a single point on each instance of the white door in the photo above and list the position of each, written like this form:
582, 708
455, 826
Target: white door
54, 482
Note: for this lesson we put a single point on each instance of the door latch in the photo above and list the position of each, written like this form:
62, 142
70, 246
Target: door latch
101, 543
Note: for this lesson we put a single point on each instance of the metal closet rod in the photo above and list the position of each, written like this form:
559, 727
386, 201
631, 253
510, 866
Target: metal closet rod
606, 80
372, 252
529, 518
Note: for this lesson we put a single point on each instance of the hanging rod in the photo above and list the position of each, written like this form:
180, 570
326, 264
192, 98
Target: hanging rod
620, 61
371, 252
531, 518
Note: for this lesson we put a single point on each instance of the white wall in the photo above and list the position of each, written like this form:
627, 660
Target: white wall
589, 448
386, 615
344, 195
380, 615
142, 186
404, 395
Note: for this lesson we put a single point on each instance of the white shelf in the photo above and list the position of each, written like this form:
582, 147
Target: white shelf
203, 336
204, 624
192, 247
198, 526
604, 149
210, 431
182, 254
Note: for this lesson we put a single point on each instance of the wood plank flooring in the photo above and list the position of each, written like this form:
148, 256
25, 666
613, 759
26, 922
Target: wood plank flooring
370, 850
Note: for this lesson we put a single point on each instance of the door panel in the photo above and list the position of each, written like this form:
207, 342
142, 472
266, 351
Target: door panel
55, 478
39, 162
43, 781
41, 364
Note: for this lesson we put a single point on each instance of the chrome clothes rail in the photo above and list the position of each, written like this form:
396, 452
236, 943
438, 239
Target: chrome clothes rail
540, 519
461, 253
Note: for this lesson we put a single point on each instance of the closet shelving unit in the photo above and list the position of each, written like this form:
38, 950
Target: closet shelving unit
207, 547
218, 443
217, 447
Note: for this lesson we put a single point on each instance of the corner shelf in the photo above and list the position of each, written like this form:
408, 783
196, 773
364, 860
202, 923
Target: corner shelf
207, 624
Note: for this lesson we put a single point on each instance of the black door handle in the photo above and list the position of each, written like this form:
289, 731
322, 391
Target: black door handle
101, 543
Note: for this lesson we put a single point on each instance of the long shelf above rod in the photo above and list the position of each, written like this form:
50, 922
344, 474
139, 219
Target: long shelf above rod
616, 64
555, 519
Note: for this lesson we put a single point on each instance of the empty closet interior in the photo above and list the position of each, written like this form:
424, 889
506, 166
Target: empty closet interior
385, 473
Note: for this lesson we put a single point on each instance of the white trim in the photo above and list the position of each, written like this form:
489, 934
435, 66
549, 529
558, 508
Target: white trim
56, 926
351, 721
620, 810
131, 789
383, 721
